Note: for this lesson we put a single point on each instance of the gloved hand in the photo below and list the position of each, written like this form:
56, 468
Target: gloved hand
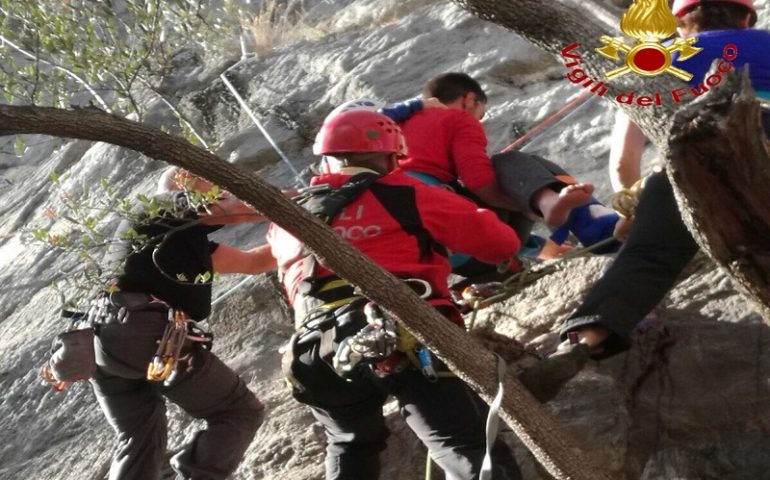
509, 265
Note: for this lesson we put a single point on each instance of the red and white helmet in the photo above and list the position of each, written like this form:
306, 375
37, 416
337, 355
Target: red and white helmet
359, 131
680, 7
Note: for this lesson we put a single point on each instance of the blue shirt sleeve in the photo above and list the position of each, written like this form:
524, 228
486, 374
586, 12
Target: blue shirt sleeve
399, 112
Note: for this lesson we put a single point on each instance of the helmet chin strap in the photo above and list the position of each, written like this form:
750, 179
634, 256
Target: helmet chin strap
383, 164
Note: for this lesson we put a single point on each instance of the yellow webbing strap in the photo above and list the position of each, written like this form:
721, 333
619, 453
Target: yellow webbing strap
407, 345
339, 303
331, 285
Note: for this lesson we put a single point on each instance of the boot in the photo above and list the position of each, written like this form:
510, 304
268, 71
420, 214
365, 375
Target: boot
547, 377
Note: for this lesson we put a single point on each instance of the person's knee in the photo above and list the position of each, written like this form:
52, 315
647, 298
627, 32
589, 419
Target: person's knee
361, 435
250, 410
243, 412
500, 159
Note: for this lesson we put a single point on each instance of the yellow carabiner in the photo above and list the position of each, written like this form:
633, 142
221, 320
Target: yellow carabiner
159, 370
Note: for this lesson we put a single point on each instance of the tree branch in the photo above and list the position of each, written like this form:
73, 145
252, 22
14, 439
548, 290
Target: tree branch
102, 103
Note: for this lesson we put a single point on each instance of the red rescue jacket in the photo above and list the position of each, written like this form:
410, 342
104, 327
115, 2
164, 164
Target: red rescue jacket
401, 224
448, 144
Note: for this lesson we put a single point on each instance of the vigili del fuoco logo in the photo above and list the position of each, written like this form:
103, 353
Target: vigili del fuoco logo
649, 22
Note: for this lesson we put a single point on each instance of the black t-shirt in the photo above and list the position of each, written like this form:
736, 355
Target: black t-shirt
169, 266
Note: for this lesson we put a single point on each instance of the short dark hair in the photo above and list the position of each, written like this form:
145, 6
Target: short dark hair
715, 16
448, 87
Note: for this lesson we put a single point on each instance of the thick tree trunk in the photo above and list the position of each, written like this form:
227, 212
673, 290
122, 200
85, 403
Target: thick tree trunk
537, 428
720, 164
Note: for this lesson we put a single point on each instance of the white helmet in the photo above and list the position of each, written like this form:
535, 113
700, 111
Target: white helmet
359, 104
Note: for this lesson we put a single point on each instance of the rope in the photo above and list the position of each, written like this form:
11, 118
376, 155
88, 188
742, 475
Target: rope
256, 121
232, 290
523, 279
551, 120
493, 421
626, 200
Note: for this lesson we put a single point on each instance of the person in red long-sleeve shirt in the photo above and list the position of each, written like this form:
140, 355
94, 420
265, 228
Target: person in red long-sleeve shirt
449, 145
402, 224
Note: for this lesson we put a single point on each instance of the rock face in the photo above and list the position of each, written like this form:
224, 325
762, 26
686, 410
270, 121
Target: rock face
688, 401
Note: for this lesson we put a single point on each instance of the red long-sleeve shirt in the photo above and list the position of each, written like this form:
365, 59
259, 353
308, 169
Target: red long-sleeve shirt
432, 214
448, 144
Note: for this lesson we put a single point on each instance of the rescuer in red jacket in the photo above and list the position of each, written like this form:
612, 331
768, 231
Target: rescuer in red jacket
402, 224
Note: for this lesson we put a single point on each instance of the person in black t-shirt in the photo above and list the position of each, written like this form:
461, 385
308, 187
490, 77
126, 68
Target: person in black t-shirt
158, 275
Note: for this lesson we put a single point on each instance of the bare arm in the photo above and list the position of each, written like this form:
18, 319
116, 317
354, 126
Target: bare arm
230, 210
626, 148
227, 259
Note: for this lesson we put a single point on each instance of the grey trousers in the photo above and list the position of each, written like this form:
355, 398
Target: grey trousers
521, 175
204, 387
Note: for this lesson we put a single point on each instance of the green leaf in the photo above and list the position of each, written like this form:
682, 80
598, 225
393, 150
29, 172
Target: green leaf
20, 145
40, 234
203, 277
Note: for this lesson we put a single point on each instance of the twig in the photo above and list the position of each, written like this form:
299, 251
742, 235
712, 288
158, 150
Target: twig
5, 41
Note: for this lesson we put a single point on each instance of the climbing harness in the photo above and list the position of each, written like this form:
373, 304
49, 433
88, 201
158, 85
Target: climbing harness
73, 352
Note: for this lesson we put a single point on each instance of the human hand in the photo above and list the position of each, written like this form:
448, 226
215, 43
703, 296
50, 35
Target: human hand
432, 102
623, 228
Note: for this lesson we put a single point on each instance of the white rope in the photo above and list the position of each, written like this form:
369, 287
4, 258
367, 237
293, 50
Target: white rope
493, 421
256, 121
229, 292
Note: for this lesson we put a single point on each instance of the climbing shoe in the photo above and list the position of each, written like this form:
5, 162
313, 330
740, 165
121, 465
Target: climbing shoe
547, 377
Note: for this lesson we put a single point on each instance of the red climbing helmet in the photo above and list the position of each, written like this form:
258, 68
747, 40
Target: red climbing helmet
680, 7
359, 131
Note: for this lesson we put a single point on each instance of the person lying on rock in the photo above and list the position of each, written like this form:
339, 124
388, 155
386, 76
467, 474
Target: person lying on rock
159, 278
659, 246
397, 221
